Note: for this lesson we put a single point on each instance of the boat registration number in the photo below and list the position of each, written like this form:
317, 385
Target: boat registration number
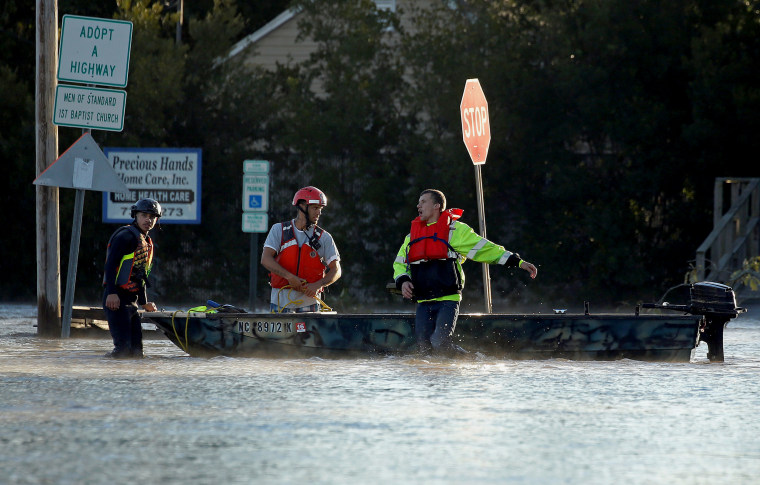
265, 327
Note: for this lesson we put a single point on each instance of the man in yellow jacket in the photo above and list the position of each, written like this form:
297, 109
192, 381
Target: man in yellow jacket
428, 268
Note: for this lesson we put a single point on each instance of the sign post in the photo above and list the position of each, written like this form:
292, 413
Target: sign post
255, 216
82, 167
92, 51
476, 133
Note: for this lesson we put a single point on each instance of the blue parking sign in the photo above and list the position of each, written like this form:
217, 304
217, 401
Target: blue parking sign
254, 202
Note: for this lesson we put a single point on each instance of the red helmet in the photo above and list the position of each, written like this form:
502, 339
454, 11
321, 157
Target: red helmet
311, 195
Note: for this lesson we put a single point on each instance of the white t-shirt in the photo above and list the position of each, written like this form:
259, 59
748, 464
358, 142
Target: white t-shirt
327, 254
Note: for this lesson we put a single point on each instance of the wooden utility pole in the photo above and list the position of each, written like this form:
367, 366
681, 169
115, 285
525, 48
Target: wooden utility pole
46, 138
180, 20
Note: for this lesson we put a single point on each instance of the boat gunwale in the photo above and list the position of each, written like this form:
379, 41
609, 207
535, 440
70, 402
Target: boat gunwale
384, 316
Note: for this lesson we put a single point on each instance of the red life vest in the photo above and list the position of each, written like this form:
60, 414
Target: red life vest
303, 261
429, 242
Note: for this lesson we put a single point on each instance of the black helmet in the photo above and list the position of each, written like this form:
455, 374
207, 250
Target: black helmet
149, 206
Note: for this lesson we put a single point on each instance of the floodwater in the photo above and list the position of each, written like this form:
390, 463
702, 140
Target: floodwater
70, 416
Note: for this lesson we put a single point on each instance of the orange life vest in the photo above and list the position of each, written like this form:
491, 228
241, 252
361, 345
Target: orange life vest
429, 242
303, 261
432, 269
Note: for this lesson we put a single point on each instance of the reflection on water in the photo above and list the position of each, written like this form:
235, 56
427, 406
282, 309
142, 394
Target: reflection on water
69, 416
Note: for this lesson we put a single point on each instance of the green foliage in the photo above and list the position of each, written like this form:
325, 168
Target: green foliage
156, 74
339, 126
749, 275
17, 154
609, 121
17, 49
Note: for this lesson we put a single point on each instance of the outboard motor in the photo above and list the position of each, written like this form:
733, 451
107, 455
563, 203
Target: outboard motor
717, 302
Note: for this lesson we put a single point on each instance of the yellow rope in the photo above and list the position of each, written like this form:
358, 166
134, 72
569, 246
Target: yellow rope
187, 322
323, 307
179, 341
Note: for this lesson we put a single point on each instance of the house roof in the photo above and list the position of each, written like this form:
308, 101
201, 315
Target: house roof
262, 32
278, 22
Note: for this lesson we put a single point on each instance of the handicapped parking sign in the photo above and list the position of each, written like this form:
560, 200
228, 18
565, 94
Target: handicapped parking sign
255, 202
255, 192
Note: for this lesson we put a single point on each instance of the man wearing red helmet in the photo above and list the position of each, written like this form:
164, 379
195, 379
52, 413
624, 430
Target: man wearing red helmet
428, 268
301, 257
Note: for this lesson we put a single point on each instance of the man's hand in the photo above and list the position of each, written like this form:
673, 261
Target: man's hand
311, 289
407, 289
532, 270
150, 307
268, 261
297, 283
113, 302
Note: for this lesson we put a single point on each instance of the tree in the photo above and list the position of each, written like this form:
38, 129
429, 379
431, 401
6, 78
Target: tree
339, 122
17, 106
610, 120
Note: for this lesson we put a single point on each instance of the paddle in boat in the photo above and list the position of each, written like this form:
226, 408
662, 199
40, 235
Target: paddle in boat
671, 335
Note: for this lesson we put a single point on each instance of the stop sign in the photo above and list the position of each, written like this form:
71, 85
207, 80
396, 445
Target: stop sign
476, 130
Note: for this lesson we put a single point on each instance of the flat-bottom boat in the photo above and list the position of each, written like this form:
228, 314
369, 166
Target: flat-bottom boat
651, 337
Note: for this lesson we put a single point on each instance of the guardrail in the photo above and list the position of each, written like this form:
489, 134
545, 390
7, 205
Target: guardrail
736, 234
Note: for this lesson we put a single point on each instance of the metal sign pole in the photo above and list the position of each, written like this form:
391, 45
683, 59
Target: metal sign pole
71, 274
253, 273
482, 219
255, 217
476, 133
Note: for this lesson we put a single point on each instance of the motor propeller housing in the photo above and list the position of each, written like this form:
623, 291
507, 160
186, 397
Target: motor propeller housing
707, 297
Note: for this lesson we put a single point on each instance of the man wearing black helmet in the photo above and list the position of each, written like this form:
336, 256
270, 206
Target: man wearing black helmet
129, 258
301, 257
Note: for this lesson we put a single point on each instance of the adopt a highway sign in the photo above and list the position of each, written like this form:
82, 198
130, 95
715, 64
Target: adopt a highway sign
94, 51
93, 108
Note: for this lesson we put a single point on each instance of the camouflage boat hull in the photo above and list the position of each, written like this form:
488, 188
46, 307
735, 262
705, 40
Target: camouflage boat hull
670, 338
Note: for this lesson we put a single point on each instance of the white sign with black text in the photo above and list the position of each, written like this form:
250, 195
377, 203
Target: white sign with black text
94, 51
93, 108
172, 176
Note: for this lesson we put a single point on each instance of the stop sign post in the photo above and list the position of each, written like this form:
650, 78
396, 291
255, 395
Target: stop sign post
476, 133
